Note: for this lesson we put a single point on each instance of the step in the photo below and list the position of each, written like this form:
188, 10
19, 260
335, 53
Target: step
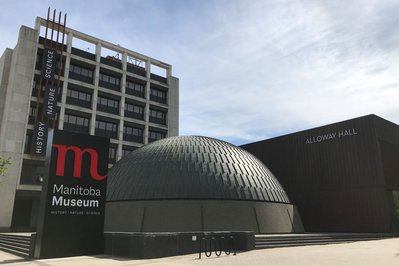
315, 242
17, 244
15, 252
15, 248
326, 238
288, 240
312, 241
16, 238
294, 238
296, 244
21, 241
22, 245
320, 236
310, 238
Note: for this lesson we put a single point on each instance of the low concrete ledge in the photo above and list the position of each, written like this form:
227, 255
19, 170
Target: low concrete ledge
156, 245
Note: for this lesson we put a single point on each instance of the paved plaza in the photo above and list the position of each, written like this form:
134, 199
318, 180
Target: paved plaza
376, 252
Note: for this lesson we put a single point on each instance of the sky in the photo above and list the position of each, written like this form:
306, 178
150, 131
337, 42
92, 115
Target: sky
250, 70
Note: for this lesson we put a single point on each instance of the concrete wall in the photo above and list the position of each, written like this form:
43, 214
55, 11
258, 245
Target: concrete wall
201, 215
16, 92
173, 112
7, 183
5, 63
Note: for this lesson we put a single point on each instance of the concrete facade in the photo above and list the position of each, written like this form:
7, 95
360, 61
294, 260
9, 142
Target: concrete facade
17, 68
21, 101
201, 215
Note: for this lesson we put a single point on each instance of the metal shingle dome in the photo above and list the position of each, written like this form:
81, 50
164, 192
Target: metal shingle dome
192, 167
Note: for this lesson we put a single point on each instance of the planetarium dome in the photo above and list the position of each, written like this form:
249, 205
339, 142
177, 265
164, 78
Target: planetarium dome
195, 183
192, 167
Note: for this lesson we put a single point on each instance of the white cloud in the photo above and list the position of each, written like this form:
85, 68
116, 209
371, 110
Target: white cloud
287, 69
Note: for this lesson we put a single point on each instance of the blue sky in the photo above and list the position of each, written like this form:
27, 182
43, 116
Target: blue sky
250, 70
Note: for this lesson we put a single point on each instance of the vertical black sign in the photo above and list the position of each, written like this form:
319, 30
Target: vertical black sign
71, 217
49, 62
39, 140
50, 101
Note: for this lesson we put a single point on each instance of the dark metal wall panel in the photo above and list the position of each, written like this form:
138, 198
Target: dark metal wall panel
390, 164
337, 183
388, 136
386, 130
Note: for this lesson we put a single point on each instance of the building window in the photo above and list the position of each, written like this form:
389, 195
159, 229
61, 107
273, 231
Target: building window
59, 68
60, 93
158, 95
112, 155
106, 129
109, 82
33, 113
134, 88
39, 59
28, 143
36, 86
78, 98
133, 134
32, 172
81, 73
158, 117
156, 135
76, 123
107, 105
134, 111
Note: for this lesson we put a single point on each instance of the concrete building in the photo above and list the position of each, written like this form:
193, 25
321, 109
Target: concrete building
107, 91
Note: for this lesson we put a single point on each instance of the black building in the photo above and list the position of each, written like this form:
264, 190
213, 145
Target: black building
343, 177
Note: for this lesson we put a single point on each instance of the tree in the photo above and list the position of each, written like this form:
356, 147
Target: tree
3, 165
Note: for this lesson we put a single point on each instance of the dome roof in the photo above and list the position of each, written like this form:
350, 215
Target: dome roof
192, 167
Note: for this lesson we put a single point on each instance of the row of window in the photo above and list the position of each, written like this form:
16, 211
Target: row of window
107, 105
157, 116
79, 70
110, 79
112, 106
36, 86
117, 63
113, 83
156, 135
79, 95
134, 88
35, 111
112, 150
79, 98
157, 95
133, 134
85, 71
134, 111
109, 129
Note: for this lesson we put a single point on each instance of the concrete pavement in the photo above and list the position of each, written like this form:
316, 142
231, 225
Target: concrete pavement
376, 252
